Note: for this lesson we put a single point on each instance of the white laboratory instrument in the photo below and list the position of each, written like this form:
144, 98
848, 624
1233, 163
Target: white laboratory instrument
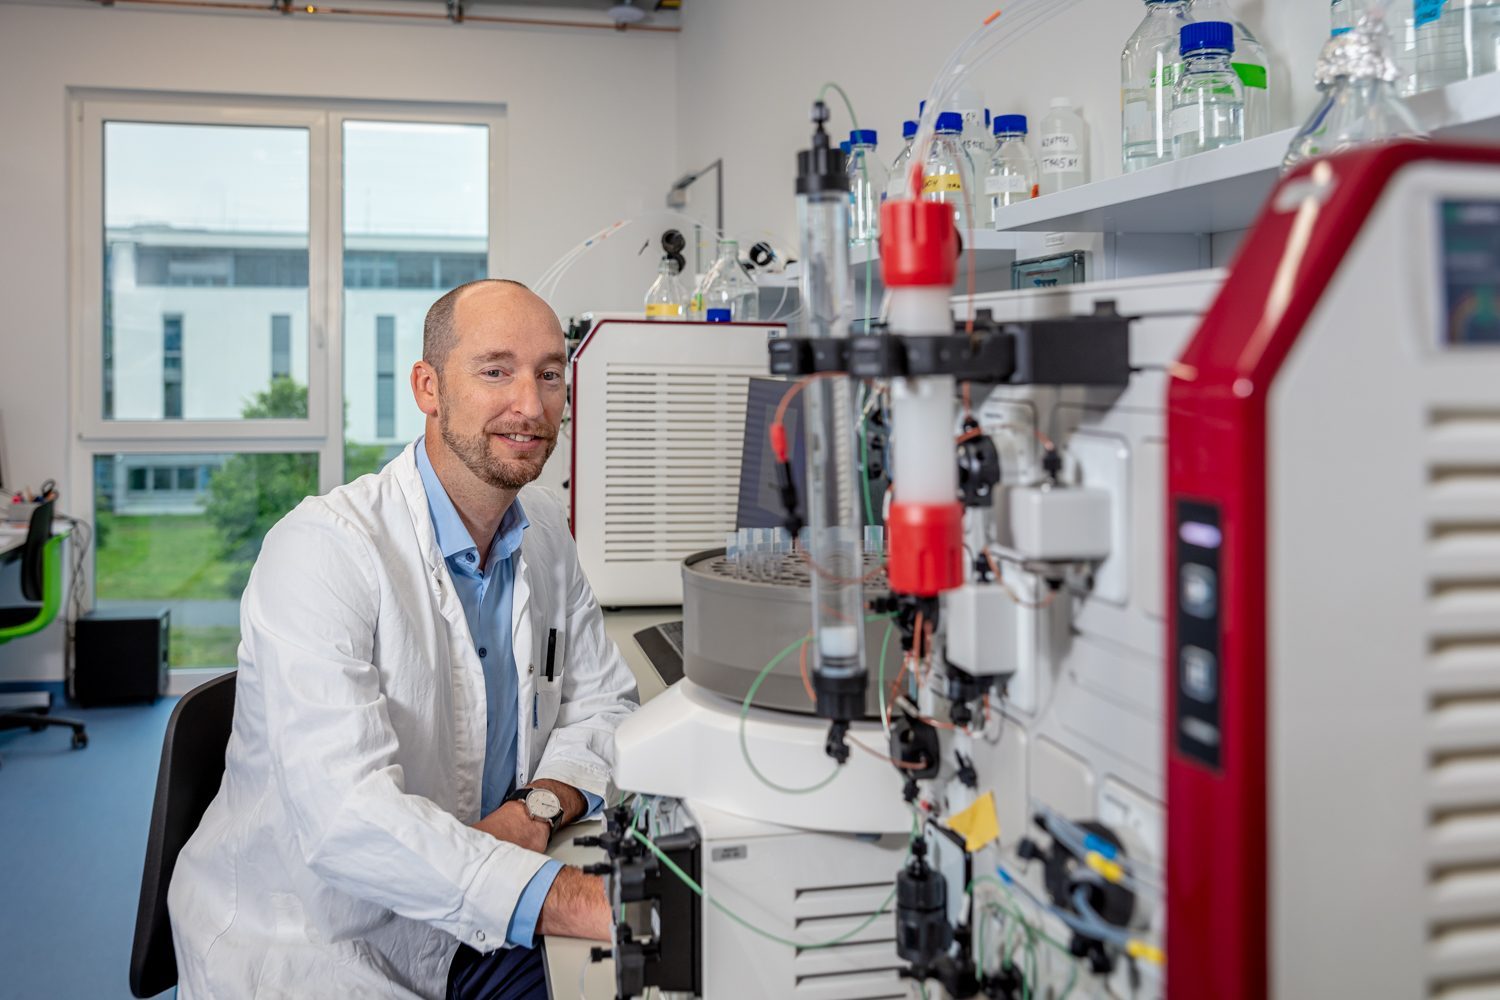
1219, 638
658, 417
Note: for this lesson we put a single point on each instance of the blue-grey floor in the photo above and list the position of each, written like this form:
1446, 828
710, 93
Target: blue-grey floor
72, 841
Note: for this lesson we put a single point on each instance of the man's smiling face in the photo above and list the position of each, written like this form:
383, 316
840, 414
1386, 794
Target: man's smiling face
501, 388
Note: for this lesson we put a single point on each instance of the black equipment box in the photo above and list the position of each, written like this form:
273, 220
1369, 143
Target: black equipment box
120, 656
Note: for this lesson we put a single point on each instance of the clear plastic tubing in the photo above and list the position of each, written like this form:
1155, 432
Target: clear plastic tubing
833, 498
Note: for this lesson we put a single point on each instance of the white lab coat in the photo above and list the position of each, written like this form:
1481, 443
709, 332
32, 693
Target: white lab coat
337, 859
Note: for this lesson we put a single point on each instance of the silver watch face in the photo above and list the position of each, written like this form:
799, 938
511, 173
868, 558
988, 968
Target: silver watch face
542, 804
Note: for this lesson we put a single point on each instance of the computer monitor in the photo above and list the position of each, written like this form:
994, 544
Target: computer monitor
760, 497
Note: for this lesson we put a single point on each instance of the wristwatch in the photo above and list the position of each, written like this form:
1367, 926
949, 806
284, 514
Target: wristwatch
540, 804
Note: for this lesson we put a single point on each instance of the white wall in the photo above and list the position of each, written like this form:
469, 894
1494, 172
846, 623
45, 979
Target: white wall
751, 70
561, 89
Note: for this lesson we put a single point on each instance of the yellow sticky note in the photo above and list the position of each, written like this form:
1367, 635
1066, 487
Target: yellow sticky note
977, 823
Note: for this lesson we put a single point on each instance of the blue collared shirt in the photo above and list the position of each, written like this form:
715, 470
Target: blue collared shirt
487, 599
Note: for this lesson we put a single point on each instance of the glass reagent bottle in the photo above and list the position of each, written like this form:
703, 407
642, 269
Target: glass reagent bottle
1012, 174
1148, 74
1208, 107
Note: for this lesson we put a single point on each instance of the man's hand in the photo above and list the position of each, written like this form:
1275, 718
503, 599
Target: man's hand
576, 907
512, 823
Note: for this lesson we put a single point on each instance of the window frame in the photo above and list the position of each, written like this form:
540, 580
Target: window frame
322, 432
92, 114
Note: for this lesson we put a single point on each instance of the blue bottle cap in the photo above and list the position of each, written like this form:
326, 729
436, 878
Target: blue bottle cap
950, 121
862, 137
908, 129
1200, 35
717, 316
1010, 123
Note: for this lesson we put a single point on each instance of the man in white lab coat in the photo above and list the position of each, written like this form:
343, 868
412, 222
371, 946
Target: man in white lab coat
425, 695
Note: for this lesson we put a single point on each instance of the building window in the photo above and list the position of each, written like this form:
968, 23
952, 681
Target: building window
212, 267
109, 337
281, 346
385, 377
411, 269
460, 269
171, 366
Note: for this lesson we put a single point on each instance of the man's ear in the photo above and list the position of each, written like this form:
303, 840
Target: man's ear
424, 387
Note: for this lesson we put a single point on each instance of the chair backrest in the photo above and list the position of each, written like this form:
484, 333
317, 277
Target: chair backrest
192, 767
32, 575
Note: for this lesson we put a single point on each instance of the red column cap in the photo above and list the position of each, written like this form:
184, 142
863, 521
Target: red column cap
918, 244
926, 548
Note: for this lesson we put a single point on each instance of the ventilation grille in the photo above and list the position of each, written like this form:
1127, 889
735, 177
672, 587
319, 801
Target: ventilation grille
1463, 634
672, 442
862, 968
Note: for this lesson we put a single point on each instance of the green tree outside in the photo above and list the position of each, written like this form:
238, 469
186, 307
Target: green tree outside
250, 492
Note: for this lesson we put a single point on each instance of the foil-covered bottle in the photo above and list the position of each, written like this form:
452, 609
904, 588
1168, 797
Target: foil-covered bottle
1360, 105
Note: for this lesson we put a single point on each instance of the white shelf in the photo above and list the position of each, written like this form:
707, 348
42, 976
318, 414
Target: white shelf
1223, 191
1209, 193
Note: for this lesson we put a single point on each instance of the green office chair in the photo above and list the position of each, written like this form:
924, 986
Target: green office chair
41, 584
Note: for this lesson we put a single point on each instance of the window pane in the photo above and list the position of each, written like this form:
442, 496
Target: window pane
416, 212
188, 543
206, 239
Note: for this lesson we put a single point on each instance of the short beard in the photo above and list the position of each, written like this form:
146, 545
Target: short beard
474, 452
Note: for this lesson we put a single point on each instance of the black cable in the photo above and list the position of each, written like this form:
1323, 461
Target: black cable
83, 539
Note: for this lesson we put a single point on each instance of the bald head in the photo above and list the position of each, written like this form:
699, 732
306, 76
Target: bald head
492, 382
441, 328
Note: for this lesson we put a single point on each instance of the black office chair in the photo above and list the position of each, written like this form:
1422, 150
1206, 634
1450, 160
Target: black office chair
192, 767
41, 584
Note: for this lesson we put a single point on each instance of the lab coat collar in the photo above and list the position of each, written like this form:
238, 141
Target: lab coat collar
404, 469
453, 538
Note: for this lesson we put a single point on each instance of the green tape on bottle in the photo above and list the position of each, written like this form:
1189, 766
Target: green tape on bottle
1251, 75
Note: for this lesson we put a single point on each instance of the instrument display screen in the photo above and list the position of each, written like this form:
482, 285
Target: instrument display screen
1471, 273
